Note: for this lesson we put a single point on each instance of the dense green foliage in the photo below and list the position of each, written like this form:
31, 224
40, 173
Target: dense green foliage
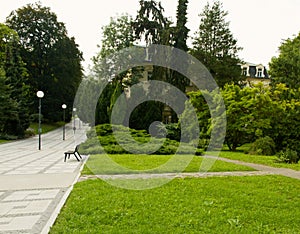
258, 204
263, 146
52, 58
254, 113
15, 96
286, 67
215, 46
101, 139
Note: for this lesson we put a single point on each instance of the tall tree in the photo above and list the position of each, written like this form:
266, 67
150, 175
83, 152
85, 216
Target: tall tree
215, 46
16, 78
181, 31
286, 67
151, 25
44, 40
116, 36
8, 107
180, 36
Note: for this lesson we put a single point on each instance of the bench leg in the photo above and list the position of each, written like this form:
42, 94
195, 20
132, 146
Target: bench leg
65, 157
78, 155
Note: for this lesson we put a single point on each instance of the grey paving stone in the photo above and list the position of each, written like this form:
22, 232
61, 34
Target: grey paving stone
29, 207
18, 223
32, 194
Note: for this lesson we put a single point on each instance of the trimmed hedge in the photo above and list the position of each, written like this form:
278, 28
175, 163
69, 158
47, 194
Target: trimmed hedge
101, 139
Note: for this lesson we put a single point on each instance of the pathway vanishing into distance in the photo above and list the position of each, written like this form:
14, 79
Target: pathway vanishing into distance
34, 184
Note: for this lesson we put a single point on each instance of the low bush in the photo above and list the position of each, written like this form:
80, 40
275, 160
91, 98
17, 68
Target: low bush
101, 139
263, 146
288, 156
29, 132
8, 137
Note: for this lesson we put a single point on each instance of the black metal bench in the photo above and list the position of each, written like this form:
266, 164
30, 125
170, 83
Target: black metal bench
74, 152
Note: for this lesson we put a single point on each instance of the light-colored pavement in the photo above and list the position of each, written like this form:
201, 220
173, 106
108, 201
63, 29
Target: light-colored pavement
175, 175
35, 183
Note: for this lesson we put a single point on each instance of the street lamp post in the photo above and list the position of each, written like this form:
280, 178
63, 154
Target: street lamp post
64, 106
40, 95
74, 127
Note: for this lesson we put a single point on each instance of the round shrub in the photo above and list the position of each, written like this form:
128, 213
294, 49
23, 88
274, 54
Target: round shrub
263, 146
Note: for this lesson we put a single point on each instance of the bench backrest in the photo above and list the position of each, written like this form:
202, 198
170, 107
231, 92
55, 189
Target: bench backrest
76, 148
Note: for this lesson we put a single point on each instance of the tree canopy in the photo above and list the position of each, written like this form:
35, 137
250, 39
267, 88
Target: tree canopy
15, 84
52, 59
286, 67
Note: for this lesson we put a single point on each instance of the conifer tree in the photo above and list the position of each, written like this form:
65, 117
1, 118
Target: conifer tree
215, 46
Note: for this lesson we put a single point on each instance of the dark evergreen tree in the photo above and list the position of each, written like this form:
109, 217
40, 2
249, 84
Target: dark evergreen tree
150, 24
152, 27
181, 32
179, 36
215, 46
8, 106
17, 79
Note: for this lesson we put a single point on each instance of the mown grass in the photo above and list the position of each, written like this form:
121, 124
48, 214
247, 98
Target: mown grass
259, 159
3, 141
258, 204
99, 164
46, 127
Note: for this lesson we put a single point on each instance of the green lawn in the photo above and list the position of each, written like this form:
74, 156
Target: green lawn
97, 164
257, 204
3, 141
259, 159
46, 127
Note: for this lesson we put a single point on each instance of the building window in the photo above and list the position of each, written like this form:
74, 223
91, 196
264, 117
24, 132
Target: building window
259, 72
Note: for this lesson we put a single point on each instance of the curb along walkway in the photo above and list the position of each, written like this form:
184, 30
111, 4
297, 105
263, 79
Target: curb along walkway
34, 184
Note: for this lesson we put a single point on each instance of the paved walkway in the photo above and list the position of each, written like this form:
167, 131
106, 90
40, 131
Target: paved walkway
35, 183
175, 175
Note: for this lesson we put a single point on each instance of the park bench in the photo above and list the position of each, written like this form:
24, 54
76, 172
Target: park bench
74, 152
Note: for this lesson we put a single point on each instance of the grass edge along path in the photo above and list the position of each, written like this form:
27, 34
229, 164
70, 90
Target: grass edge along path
46, 127
256, 204
257, 159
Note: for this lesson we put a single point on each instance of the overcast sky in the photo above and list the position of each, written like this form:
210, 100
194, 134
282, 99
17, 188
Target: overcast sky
258, 25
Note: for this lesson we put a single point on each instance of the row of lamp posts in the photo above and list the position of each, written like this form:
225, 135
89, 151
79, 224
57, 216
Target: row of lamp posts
40, 95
